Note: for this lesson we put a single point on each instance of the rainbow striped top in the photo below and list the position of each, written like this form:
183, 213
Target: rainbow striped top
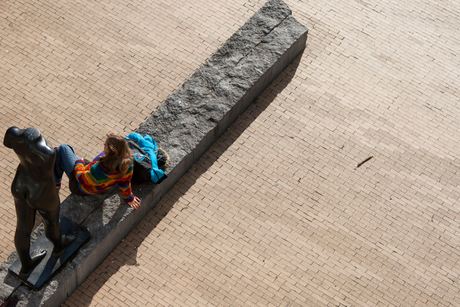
93, 178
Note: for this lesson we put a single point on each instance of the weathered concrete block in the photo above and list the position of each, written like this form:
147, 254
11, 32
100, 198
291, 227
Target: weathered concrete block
185, 125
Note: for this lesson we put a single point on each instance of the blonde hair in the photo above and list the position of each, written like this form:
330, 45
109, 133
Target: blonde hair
118, 156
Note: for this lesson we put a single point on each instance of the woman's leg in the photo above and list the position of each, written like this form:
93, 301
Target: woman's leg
65, 161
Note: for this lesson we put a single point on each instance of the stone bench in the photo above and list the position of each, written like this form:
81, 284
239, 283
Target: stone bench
185, 125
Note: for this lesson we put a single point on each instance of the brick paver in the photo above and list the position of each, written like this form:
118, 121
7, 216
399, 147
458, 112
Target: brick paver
275, 213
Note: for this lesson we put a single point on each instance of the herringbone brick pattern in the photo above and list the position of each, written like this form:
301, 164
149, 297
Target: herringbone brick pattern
276, 213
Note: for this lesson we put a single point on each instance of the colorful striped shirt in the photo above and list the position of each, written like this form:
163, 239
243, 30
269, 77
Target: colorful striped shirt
93, 178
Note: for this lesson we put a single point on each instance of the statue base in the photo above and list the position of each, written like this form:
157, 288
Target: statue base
51, 263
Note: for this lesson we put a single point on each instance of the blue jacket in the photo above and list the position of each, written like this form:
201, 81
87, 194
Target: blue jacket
150, 147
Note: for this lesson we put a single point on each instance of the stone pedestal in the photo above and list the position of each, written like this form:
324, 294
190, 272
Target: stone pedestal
51, 263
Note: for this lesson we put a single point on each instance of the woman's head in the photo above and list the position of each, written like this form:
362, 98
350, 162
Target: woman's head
117, 154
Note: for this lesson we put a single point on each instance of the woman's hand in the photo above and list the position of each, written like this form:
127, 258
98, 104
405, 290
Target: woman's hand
135, 203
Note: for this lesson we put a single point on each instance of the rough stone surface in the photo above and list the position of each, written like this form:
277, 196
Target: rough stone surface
186, 125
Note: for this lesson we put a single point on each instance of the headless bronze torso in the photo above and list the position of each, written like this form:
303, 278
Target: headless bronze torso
33, 189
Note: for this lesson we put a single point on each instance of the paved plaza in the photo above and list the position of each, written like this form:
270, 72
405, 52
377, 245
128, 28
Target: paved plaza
276, 213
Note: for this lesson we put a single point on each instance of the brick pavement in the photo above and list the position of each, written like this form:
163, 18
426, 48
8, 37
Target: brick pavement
275, 213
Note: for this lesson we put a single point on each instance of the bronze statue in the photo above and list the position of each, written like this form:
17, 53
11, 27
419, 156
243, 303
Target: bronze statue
34, 189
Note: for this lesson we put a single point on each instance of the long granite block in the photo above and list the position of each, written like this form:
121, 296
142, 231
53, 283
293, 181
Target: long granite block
185, 125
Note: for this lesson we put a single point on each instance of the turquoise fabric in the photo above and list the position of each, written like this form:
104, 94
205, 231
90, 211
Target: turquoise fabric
150, 147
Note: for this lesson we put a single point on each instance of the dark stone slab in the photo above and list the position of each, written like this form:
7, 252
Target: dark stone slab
185, 125
51, 263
